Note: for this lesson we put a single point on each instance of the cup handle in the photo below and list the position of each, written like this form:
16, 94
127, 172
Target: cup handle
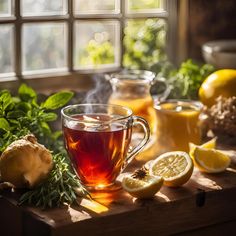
161, 97
138, 121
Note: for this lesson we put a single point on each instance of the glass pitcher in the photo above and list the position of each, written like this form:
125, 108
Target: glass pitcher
131, 88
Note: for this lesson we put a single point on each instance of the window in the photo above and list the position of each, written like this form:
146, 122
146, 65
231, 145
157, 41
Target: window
58, 38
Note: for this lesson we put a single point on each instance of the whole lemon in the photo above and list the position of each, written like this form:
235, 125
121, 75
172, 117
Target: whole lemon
219, 83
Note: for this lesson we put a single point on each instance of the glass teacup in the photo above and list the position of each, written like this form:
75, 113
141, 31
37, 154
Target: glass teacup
97, 138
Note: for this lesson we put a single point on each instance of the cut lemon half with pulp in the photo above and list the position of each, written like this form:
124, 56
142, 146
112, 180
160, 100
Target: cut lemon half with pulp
176, 168
142, 187
210, 160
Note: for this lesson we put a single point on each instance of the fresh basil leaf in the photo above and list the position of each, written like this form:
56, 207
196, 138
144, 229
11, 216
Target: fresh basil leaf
26, 93
3, 91
57, 100
15, 114
6, 101
14, 122
23, 106
10, 106
49, 116
4, 124
57, 134
45, 127
16, 99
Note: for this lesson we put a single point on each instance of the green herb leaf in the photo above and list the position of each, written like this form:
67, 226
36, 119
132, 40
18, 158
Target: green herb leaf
57, 134
15, 114
57, 100
186, 81
49, 116
14, 122
24, 106
45, 127
4, 124
6, 102
26, 93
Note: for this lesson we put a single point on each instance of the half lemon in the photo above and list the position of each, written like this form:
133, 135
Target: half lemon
176, 168
142, 187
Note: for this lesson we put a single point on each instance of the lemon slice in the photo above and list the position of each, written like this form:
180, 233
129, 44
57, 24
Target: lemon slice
210, 160
176, 168
145, 187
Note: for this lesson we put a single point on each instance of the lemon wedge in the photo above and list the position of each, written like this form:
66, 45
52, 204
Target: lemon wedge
142, 187
176, 168
211, 144
210, 160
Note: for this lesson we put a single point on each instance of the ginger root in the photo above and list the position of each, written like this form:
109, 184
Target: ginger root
25, 163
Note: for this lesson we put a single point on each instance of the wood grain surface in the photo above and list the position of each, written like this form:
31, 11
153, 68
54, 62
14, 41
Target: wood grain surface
205, 203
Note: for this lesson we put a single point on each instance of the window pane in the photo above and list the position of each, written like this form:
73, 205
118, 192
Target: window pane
5, 8
6, 49
96, 7
44, 46
144, 5
43, 7
97, 44
144, 43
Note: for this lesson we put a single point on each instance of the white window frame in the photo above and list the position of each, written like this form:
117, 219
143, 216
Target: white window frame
81, 78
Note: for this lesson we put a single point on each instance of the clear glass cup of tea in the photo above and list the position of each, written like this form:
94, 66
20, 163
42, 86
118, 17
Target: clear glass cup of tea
97, 138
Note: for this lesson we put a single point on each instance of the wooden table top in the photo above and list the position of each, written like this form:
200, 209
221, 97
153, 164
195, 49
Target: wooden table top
205, 200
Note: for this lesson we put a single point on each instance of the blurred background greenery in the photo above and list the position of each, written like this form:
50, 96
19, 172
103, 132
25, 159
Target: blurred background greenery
97, 41
144, 43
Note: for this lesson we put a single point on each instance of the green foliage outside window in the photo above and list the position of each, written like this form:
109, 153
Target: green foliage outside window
98, 51
144, 4
144, 43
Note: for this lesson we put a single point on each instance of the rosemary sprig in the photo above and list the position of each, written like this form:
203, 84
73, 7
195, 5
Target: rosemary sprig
61, 187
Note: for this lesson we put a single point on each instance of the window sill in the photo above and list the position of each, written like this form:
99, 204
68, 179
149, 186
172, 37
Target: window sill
48, 83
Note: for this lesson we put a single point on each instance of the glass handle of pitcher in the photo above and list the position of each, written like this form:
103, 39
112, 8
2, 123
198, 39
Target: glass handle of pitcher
162, 96
142, 122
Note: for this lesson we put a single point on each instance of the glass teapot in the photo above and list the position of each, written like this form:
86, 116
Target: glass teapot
131, 88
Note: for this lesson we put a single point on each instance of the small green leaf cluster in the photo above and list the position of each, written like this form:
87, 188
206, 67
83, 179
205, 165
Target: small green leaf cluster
23, 114
187, 79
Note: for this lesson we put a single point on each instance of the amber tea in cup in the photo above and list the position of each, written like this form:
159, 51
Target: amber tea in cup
97, 139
